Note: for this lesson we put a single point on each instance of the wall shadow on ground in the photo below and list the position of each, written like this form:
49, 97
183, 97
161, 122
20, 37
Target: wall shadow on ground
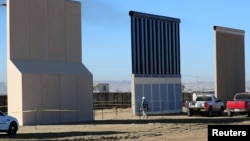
178, 119
55, 135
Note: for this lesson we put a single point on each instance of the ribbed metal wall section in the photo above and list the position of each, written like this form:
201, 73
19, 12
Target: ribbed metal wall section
155, 45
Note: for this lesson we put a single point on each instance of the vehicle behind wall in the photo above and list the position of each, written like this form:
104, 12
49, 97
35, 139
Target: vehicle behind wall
205, 104
240, 104
8, 124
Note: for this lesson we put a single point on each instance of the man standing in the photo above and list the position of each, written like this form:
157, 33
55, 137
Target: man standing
144, 107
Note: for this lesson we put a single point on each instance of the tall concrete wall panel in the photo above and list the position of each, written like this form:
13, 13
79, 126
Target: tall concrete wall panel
55, 98
83, 93
49, 95
68, 87
38, 30
18, 20
230, 62
73, 38
161, 93
59, 39
56, 32
31, 97
47, 82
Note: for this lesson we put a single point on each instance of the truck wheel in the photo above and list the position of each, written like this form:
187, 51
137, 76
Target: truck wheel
221, 111
209, 112
190, 112
201, 113
230, 114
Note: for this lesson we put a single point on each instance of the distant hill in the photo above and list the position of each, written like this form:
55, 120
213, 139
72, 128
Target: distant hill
117, 86
125, 86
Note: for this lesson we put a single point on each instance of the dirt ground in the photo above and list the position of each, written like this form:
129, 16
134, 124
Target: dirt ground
121, 125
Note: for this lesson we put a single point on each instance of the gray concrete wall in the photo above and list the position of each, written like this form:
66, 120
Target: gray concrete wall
47, 82
163, 94
229, 62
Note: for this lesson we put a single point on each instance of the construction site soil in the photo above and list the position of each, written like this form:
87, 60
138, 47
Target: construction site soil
121, 125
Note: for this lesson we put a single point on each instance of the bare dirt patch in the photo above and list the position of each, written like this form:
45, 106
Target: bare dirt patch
121, 125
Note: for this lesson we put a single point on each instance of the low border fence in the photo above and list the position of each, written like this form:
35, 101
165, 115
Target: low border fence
112, 100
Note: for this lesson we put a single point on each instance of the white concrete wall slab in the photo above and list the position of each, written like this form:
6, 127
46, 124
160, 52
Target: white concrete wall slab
18, 27
73, 34
46, 76
56, 32
38, 30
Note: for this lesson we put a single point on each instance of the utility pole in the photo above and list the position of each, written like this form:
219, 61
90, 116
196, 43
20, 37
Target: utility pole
198, 83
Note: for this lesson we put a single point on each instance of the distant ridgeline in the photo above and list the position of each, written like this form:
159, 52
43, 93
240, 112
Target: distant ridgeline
117, 86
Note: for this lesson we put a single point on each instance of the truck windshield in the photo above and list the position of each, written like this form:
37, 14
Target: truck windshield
204, 98
242, 97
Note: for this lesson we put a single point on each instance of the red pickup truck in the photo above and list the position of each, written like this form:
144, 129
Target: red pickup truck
239, 104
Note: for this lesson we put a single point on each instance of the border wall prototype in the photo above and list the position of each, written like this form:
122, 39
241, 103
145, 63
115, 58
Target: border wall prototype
47, 82
229, 62
156, 68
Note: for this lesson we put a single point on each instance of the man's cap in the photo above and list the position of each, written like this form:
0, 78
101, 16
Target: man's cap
143, 97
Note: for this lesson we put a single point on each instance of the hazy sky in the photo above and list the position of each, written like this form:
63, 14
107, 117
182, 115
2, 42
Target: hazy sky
106, 37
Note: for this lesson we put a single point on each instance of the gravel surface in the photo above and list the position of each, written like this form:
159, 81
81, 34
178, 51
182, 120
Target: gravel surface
121, 125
